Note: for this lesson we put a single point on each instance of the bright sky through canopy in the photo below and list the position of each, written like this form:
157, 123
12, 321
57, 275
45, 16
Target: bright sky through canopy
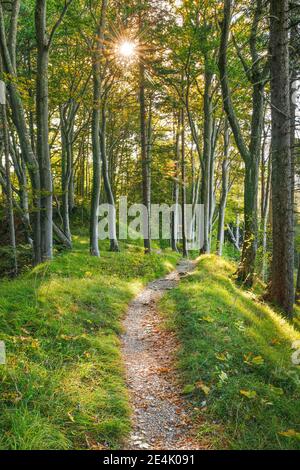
127, 49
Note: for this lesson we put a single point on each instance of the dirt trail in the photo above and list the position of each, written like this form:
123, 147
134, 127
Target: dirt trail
161, 418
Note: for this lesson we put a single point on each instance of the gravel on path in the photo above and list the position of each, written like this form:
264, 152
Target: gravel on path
161, 416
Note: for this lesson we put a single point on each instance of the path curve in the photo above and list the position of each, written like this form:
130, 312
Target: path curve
161, 417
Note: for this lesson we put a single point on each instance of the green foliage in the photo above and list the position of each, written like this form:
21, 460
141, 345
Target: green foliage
63, 384
235, 361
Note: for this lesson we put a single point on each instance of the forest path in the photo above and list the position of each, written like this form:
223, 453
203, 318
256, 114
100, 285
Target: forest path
161, 417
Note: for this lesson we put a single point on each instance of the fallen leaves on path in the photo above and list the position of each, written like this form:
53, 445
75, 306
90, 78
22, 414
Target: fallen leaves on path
161, 415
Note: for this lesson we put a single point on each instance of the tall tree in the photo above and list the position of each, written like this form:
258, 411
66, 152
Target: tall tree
114, 245
44, 42
281, 289
146, 187
8, 53
8, 187
257, 75
97, 51
224, 189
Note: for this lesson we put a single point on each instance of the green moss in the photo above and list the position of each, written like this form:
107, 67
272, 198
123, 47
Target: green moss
241, 349
63, 384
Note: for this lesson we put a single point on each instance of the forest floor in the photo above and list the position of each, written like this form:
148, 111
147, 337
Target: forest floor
162, 418
208, 364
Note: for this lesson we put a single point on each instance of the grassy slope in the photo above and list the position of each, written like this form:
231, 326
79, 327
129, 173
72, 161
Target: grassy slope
63, 385
236, 356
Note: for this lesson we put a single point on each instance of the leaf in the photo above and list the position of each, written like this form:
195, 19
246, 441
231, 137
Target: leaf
258, 360
188, 389
291, 433
275, 342
253, 361
208, 319
205, 389
276, 390
249, 393
266, 402
71, 417
163, 370
222, 356
223, 376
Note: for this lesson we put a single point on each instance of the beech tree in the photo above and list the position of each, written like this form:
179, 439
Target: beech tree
257, 74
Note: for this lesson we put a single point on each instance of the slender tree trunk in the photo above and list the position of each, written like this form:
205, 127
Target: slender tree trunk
251, 154
114, 245
281, 289
183, 187
145, 161
265, 217
98, 48
67, 118
249, 251
71, 189
207, 155
175, 213
10, 204
42, 116
212, 199
96, 185
24, 200
224, 194
19, 120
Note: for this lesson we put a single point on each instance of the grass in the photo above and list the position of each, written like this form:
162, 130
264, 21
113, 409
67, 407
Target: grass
235, 361
63, 384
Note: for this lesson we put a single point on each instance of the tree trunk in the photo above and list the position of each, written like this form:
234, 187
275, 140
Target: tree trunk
247, 263
10, 206
183, 187
265, 215
281, 289
18, 117
224, 194
207, 156
67, 118
42, 116
98, 48
145, 162
251, 154
114, 245
175, 214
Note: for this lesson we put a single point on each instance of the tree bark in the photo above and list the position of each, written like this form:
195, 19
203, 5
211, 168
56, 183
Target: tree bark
207, 156
67, 121
281, 289
42, 116
224, 194
18, 117
183, 186
10, 204
175, 214
96, 185
114, 245
146, 190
